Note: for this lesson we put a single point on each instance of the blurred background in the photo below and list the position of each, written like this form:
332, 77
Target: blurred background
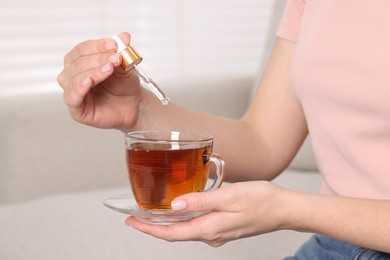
177, 38
55, 173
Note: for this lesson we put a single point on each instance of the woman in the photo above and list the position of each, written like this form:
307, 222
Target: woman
328, 75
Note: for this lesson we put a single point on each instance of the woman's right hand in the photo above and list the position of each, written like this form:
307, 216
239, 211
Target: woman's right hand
97, 91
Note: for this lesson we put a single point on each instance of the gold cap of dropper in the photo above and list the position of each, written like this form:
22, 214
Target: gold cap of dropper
130, 56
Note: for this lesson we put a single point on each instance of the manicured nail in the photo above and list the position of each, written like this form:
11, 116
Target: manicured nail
178, 205
106, 67
127, 224
87, 81
114, 58
110, 45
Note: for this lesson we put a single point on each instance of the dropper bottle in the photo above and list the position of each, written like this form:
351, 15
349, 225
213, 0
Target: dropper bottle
130, 60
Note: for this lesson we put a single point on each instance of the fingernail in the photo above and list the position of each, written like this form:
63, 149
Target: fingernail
178, 205
114, 58
106, 67
110, 45
87, 81
127, 224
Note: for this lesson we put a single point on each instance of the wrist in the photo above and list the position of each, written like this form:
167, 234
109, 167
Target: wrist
293, 210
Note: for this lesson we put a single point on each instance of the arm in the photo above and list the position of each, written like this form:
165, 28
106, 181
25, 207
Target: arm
364, 222
266, 138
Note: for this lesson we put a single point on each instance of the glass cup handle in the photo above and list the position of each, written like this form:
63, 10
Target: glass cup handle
220, 170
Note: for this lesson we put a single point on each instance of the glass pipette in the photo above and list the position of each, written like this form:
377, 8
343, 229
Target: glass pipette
130, 60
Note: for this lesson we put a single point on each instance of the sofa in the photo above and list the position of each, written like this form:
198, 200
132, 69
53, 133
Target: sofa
55, 174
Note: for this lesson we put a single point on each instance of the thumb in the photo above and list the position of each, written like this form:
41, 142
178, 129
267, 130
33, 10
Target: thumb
198, 201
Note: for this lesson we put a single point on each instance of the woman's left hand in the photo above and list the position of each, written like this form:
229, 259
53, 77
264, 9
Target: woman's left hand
237, 210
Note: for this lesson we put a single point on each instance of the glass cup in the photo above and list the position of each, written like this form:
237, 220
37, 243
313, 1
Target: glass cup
163, 165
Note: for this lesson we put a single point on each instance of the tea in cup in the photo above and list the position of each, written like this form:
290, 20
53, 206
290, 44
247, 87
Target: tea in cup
163, 165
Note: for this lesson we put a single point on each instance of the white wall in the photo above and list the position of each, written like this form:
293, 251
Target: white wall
178, 38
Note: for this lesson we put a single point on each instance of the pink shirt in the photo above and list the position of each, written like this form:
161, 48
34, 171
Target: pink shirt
341, 75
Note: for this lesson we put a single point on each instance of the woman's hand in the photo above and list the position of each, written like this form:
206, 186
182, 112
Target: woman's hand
237, 210
96, 90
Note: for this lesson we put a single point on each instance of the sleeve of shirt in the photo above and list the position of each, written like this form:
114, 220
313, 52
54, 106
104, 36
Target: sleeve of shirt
290, 23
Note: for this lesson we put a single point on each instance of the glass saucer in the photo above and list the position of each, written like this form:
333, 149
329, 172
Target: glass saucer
126, 204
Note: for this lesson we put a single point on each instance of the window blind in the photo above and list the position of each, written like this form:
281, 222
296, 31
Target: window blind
177, 38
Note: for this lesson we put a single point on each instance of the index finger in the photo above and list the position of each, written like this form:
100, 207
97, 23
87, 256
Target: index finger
88, 48
91, 47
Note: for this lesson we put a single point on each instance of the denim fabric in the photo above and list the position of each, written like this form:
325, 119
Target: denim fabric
320, 247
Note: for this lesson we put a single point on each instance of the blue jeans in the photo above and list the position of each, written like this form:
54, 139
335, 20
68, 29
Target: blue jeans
320, 247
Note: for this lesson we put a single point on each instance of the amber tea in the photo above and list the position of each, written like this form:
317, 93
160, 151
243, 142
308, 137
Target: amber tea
159, 176
164, 165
